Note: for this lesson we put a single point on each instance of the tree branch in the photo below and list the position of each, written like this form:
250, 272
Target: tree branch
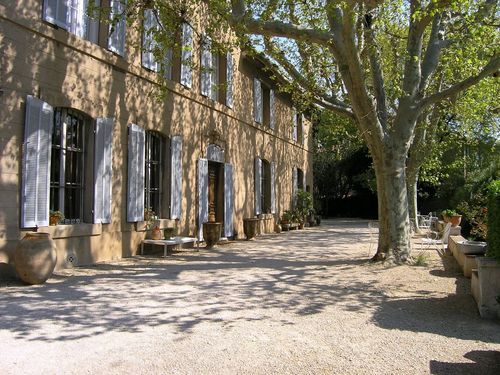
433, 51
491, 68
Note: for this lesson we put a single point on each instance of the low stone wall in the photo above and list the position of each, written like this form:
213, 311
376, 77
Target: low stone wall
466, 261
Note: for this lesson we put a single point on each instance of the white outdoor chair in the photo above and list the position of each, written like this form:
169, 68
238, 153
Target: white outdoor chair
425, 221
437, 239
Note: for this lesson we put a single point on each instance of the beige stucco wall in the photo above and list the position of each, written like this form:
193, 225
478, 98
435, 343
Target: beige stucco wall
66, 71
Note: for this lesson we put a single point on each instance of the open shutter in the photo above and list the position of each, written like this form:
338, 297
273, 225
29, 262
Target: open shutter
148, 42
169, 55
228, 200
302, 130
273, 187
36, 163
206, 66
116, 38
176, 177
186, 55
202, 195
135, 181
295, 186
92, 22
77, 17
272, 116
294, 130
56, 12
229, 80
257, 101
103, 170
258, 185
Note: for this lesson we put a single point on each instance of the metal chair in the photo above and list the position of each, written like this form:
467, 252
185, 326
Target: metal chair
437, 239
373, 228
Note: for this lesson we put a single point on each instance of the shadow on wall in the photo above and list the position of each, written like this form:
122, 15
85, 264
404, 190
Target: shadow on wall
484, 362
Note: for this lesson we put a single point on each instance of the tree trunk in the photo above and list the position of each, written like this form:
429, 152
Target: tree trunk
411, 182
394, 235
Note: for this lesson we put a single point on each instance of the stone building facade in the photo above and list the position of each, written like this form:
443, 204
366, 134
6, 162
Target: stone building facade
82, 132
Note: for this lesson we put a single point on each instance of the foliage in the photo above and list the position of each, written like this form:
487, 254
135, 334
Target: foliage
449, 213
493, 237
304, 205
287, 216
421, 260
149, 217
474, 220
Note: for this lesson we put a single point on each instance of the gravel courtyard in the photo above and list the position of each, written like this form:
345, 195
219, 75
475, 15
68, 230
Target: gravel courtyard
301, 302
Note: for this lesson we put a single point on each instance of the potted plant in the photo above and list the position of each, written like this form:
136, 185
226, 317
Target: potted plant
304, 206
55, 217
286, 220
451, 216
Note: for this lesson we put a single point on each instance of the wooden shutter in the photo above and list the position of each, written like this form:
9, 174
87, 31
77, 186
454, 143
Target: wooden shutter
257, 101
302, 130
258, 185
148, 42
186, 55
93, 23
169, 55
176, 177
56, 12
77, 17
229, 80
116, 37
272, 116
35, 184
103, 171
295, 186
273, 187
228, 200
294, 131
206, 66
202, 195
135, 178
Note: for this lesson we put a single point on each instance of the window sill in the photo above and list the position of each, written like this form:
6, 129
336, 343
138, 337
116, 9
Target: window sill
72, 230
141, 226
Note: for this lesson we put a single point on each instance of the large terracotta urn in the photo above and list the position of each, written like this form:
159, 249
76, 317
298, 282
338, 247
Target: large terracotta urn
211, 233
35, 258
251, 227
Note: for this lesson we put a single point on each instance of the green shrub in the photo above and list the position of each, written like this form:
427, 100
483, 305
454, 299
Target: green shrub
493, 236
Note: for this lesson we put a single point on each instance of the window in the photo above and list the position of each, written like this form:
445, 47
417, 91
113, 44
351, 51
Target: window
216, 74
68, 165
80, 163
263, 104
154, 171
72, 15
265, 197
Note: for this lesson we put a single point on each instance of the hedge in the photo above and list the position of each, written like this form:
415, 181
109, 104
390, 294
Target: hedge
493, 236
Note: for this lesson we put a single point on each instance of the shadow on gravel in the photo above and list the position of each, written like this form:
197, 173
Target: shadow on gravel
485, 362
224, 285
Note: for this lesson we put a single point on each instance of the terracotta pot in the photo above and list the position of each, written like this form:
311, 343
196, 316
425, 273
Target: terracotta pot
251, 227
53, 220
211, 233
455, 220
35, 258
156, 234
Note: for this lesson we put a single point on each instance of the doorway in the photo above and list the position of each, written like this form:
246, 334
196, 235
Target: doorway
216, 191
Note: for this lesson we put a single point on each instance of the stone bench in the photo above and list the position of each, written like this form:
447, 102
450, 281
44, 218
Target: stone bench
465, 256
171, 242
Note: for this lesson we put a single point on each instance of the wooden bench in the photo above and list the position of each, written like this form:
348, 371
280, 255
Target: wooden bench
172, 242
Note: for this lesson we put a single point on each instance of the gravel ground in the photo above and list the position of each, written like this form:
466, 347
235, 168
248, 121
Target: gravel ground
301, 302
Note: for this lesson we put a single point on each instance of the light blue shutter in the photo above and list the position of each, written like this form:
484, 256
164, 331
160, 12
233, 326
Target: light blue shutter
148, 42
302, 130
56, 12
168, 63
295, 186
273, 187
272, 116
214, 77
176, 177
206, 67
258, 185
229, 80
202, 195
187, 55
35, 185
103, 170
257, 101
92, 23
77, 17
294, 131
228, 200
135, 180
116, 38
